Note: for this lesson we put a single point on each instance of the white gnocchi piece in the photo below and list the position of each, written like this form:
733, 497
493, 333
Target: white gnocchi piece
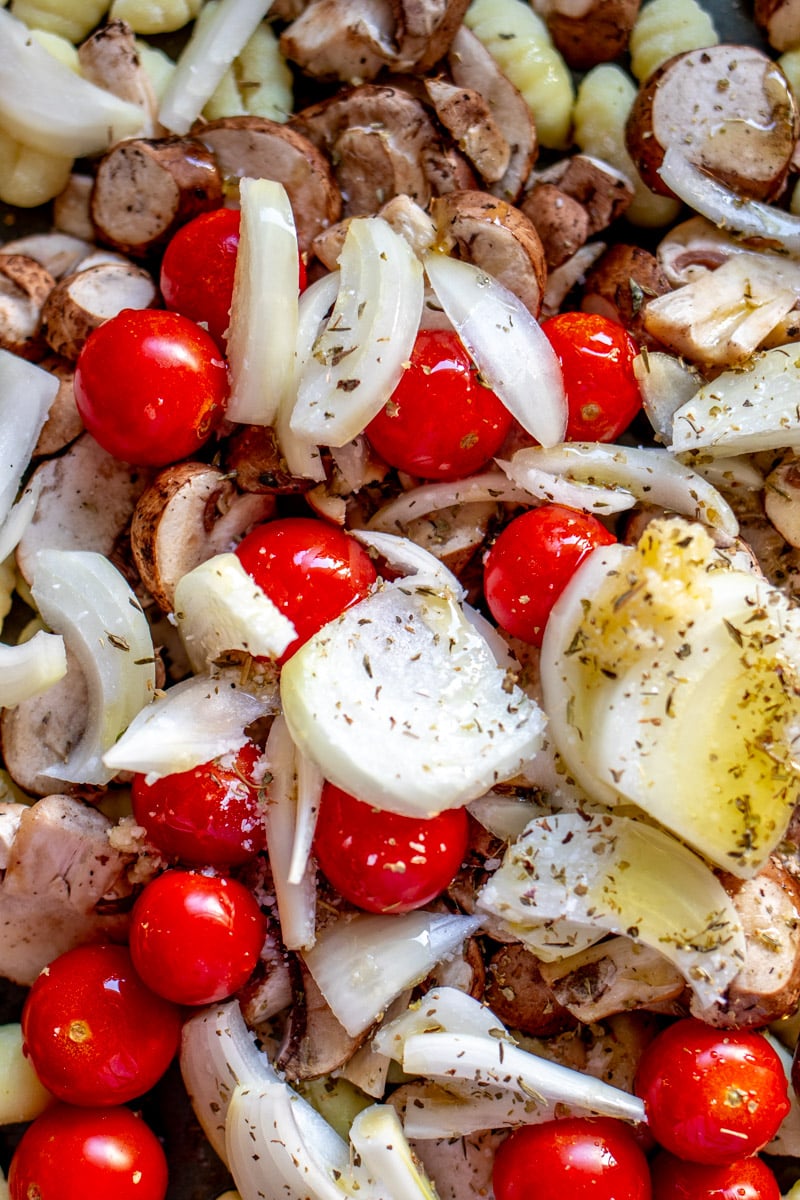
667, 27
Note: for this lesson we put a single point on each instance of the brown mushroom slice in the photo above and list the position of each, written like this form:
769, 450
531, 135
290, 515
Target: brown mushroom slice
257, 148
782, 500
780, 20
455, 534
58, 253
71, 208
468, 119
729, 109
613, 976
331, 40
190, 512
61, 870
110, 60
496, 237
145, 189
588, 32
561, 222
460, 1167
471, 65
620, 285
315, 1043
424, 30
81, 302
253, 458
63, 422
602, 191
41, 731
86, 500
24, 287
518, 993
571, 274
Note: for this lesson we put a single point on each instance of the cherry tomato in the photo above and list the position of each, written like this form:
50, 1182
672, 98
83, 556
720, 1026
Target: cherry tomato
150, 386
198, 267
578, 1158
208, 816
92, 1030
440, 422
311, 571
711, 1095
382, 861
88, 1154
532, 561
745, 1179
196, 939
596, 356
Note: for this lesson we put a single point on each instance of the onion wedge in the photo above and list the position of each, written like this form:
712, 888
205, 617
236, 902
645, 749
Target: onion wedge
26, 394
359, 357
506, 343
263, 328
86, 599
31, 667
296, 893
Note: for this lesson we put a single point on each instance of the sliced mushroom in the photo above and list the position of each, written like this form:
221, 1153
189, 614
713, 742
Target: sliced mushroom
561, 222
454, 535
63, 422
588, 32
330, 39
253, 458
517, 992
460, 1168
145, 189
72, 207
695, 247
24, 288
110, 60
190, 512
257, 148
767, 987
40, 732
603, 192
730, 109
315, 1043
81, 302
780, 20
620, 286
269, 990
497, 237
86, 501
468, 119
58, 253
471, 65
782, 500
571, 274
465, 971
61, 887
612, 977
424, 30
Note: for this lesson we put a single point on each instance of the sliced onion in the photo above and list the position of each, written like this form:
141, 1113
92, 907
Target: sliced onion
219, 608
46, 105
378, 1139
724, 207
263, 327
625, 877
504, 816
433, 1111
213, 46
296, 897
443, 1010
359, 357
540, 484
20, 516
404, 555
86, 599
189, 724
650, 475
395, 516
361, 963
31, 667
506, 343
26, 394
665, 382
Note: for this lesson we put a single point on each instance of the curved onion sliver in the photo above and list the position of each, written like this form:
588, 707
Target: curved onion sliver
395, 516
405, 555
296, 894
31, 667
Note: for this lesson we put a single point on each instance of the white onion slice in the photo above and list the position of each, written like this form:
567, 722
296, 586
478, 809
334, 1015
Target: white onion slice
263, 328
309, 792
31, 667
625, 877
726, 208
86, 599
20, 516
218, 608
507, 344
359, 357
540, 484
433, 1111
361, 963
378, 1139
46, 105
26, 394
443, 1010
404, 555
207, 56
189, 724
395, 516
665, 382
650, 475
296, 898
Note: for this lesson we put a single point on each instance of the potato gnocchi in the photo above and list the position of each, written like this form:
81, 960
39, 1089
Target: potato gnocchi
667, 27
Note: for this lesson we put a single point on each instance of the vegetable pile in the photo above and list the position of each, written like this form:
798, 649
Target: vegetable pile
400, 676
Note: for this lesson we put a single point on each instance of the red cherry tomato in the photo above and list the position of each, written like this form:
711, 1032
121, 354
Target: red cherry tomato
440, 422
575, 1159
196, 939
311, 571
208, 816
88, 1154
94, 1033
745, 1179
382, 861
596, 356
150, 386
198, 267
711, 1095
531, 563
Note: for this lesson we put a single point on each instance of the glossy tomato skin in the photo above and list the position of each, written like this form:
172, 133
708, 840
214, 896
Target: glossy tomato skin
575, 1159
194, 938
88, 1154
596, 356
209, 816
95, 1034
310, 570
711, 1095
150, 386
384, 862
745, 1179
532, 561
441, 422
